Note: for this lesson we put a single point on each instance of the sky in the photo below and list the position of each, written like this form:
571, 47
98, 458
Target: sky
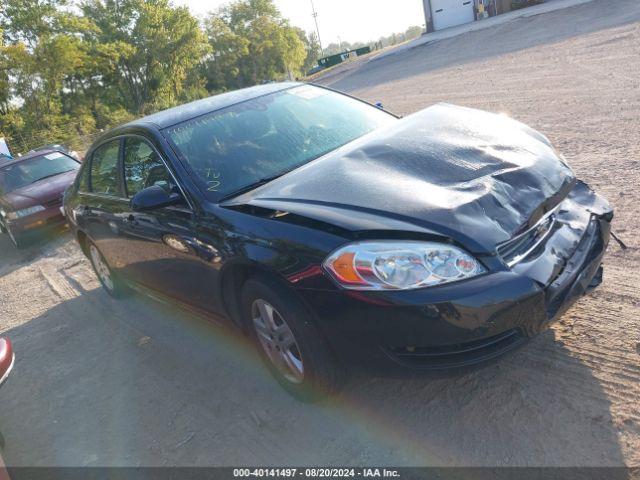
351, 20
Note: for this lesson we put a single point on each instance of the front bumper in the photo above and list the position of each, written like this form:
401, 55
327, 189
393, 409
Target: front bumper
41, 222
471, 321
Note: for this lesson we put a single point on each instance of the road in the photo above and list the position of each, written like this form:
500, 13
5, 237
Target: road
102, 382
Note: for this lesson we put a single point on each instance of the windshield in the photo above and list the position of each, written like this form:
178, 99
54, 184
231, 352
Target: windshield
26, 172
232, 149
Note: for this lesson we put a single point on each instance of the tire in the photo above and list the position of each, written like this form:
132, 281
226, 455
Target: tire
320, 375
108, 279
16, 239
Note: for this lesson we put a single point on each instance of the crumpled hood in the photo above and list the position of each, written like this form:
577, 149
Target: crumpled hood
473, 176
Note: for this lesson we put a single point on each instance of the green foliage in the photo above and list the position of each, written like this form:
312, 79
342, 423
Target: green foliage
150, 49
312, 48
70, 68
251, 43
382, 42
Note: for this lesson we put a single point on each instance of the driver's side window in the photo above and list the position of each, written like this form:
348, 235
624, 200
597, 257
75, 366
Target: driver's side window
143, 167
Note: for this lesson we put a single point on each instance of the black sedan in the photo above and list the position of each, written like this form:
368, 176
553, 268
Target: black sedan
336, 234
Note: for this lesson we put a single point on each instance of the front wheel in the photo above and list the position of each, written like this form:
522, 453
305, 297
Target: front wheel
109, 281
289, 343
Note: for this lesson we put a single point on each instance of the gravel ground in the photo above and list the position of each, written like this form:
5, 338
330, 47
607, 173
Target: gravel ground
100, 382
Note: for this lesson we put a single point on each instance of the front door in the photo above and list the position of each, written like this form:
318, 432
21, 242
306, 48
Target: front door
163, 251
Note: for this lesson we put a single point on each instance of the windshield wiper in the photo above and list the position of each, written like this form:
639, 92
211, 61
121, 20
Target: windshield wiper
251, 186
49, 176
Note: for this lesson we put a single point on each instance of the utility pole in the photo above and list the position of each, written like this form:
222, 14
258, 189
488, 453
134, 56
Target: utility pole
315, 19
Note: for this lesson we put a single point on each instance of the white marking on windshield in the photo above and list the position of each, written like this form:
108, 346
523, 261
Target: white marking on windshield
307, 92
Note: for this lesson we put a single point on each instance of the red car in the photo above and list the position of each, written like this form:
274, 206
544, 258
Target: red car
31, 190
7, 359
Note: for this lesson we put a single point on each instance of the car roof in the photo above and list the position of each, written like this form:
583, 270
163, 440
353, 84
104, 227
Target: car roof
49, 146
182, 113
29, 155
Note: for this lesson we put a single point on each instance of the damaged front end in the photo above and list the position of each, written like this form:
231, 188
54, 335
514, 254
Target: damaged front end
554, 263
487, 185
532, 280
563, 251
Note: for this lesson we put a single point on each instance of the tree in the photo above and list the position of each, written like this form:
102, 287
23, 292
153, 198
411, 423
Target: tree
222, 67
154, 48
5, 86
252, 44
40, 50
413, 32
69, 68
27, 21
312, 49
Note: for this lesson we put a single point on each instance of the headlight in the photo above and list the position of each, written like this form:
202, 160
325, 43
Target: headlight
25, 212
393, 265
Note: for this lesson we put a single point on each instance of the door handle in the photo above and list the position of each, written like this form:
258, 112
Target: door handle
130, 219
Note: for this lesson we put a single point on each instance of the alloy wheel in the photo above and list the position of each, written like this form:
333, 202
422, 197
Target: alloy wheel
278, 341
102, 269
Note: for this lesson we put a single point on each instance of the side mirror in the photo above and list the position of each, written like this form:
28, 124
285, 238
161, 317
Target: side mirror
154, 197
379, 105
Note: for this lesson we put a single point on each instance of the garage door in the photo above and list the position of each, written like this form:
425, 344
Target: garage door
449, 13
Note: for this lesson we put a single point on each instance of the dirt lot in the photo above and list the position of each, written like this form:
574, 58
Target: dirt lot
100, 382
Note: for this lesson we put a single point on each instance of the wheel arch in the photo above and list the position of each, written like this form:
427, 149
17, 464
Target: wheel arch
232, 278
83, 240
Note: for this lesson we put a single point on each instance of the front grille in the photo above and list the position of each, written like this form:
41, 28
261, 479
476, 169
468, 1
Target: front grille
56, 202
518, 248
459, 354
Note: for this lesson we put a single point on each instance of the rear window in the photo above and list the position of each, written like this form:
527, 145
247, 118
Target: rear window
104, 169
35, 169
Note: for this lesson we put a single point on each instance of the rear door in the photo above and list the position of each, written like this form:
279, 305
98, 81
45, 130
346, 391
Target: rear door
102, 201
163, 252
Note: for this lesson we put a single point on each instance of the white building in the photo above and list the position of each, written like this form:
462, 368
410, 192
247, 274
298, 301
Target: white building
441, 14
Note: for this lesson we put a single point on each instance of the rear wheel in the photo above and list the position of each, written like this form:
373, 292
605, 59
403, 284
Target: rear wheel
289, 343
109, 281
